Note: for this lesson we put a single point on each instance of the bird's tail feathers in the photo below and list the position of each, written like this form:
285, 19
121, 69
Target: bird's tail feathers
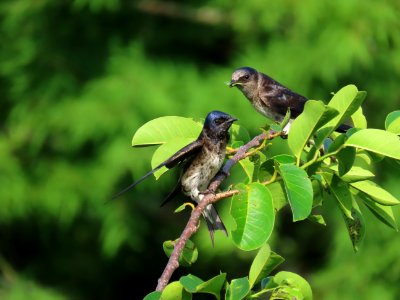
213, 221
132, 185
343, 128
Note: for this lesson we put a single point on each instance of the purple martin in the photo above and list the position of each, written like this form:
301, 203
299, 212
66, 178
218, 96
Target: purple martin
201, 159
269, 97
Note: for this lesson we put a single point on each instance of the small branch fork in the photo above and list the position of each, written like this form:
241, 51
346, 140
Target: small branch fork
210, 197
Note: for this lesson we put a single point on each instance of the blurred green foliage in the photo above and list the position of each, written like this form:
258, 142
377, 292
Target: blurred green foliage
77, 78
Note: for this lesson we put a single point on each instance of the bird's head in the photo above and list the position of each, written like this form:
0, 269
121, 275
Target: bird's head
217, 124
244, 78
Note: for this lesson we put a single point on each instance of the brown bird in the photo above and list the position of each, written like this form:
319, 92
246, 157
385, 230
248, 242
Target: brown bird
269, 97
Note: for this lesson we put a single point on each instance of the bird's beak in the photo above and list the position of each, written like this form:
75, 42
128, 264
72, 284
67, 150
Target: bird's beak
231, 120
232, 83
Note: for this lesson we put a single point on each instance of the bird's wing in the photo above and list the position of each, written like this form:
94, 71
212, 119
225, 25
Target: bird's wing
171, 162
285, 98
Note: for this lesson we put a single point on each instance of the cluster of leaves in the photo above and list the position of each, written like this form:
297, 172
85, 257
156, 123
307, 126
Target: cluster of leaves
321, 166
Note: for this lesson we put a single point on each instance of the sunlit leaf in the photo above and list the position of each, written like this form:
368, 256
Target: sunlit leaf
165, 129
377, 141
298, 190
355, 174
392, 122
319, 219
376, 193
359, 119
383, 213
175, 291
165, 151
238, 289
295, 281
315, 115
253, 213
263, 264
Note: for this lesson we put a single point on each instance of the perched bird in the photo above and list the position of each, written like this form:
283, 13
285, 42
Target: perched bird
202, 160
269, 97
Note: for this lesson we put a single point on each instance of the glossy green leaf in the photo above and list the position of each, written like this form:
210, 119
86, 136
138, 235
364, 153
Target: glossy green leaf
346, 158
358, 118
315, 115
213, 286
190, 282
153, 296
284, 159
194, 284
263, 264
298, 190
376, 193
295, 281
355, 174
377, 141
392, 122
188, 256
248, 168
165, 151
341, 192
346, 101
175, 291
238, 289
253, 213
383, 213
165, 129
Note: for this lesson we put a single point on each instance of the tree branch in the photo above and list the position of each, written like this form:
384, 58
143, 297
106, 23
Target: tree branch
191, 226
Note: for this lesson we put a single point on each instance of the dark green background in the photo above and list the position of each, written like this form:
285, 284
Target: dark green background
78, 78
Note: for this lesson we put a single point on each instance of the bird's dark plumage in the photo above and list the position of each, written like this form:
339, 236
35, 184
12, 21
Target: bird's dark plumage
269, 97
203, 158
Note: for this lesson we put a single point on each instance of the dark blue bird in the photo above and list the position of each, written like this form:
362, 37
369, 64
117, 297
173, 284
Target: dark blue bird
201, 159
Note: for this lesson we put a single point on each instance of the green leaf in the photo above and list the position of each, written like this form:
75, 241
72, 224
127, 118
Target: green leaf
295, 281
238, 289
341, 192
392, 122
190, 282
194, 284
346, 158
153, 296
253, 213
248, 168
376, 193
377, 141
263, 264
346, 101
355, 174
164, 129
175, 291
315, 115
188, 256
284, 159
319, 219
355, 226
298, 190
278, 192
359, 119
165, 151
213, 286
239, 133
382, 212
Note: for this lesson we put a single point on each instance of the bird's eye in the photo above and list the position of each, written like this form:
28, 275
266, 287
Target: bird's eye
246, 76
219, 121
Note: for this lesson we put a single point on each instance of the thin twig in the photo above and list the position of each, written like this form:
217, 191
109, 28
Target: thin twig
191, 226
